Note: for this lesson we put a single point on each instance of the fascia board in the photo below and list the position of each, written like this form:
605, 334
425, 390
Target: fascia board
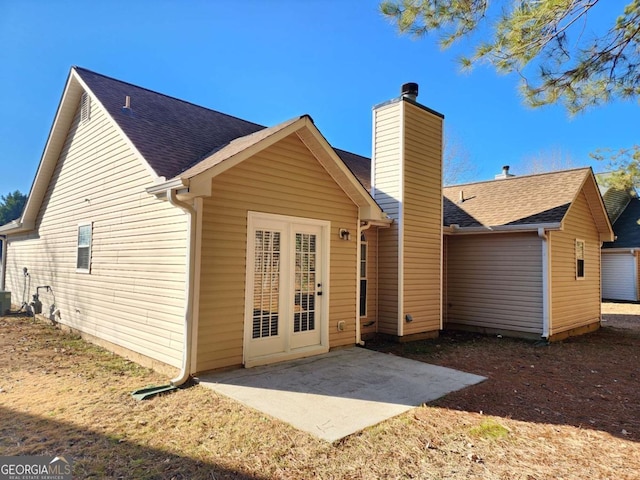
53, 146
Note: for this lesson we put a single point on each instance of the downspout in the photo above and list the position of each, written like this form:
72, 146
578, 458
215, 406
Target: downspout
362, 228
545, 283
3, 264
185, 372
636, 276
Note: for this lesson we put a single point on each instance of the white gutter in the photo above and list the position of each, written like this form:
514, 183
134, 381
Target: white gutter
533, 227
620, 250
160, 188
3, 264
546, 291
185, 371
16, 226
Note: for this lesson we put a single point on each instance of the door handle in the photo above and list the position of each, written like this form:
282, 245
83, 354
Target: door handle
319, 292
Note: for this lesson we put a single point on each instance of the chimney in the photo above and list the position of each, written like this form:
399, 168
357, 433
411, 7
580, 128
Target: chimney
505, 173
407, 183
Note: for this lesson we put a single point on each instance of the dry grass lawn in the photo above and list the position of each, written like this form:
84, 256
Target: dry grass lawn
566, 411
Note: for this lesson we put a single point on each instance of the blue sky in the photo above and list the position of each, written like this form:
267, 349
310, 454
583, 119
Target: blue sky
268, 61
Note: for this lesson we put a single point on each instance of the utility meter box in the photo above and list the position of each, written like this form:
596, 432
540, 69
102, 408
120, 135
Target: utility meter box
5, 302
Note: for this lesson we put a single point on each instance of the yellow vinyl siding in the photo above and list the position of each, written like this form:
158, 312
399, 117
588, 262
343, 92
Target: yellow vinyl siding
387, 192
422, 219
134, 295
284, 179
495, 282
575, 302
408, 187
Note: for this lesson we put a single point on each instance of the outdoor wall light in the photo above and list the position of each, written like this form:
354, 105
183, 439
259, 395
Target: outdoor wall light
408, 318
345, 234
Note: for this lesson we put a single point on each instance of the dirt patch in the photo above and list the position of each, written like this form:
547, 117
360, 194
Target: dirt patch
621, 315
569, 410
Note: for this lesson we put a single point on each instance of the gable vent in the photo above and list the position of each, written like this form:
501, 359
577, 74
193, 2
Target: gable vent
85, 108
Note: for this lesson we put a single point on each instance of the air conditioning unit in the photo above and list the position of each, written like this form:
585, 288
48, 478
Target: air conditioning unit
5, 302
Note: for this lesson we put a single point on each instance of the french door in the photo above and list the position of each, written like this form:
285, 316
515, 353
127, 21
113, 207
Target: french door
285, 311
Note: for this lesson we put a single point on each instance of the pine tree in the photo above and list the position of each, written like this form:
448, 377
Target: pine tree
11, 206
546, 42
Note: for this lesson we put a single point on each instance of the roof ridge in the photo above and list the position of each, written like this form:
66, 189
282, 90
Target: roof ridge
76, 67
351, 153
517, 177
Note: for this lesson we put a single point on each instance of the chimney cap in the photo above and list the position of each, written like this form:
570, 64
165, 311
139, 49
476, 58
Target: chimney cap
505, 173
409, 90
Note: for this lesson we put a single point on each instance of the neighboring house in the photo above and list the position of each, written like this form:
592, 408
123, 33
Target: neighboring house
621, 259
523, 254
190, 240
615, 199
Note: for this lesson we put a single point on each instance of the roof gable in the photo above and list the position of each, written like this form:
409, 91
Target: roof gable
198, 177
167, 134
627, 227
523, 201
520, 200
55, 141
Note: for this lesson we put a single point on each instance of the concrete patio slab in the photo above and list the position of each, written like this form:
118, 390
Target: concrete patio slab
341, 392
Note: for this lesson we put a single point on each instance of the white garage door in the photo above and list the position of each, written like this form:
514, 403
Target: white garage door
619, 277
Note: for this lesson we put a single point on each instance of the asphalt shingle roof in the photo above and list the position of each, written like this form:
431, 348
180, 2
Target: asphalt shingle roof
520, 200
627, 227
170, 134
174, 135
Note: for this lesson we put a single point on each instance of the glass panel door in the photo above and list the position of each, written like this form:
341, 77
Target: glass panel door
304, 318
307, 288
284, 287
266, 284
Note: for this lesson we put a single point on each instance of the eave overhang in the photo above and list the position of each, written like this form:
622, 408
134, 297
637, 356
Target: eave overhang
533, 227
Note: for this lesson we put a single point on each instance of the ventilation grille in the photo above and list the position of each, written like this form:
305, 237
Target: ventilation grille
85, 108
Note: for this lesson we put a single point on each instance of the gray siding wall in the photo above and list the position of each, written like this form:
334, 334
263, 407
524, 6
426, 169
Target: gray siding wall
494, 281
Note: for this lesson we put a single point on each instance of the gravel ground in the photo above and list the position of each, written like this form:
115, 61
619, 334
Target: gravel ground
621, 315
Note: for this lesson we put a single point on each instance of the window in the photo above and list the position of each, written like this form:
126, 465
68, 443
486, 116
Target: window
579, 259
85, 108
83, 263
363, 276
